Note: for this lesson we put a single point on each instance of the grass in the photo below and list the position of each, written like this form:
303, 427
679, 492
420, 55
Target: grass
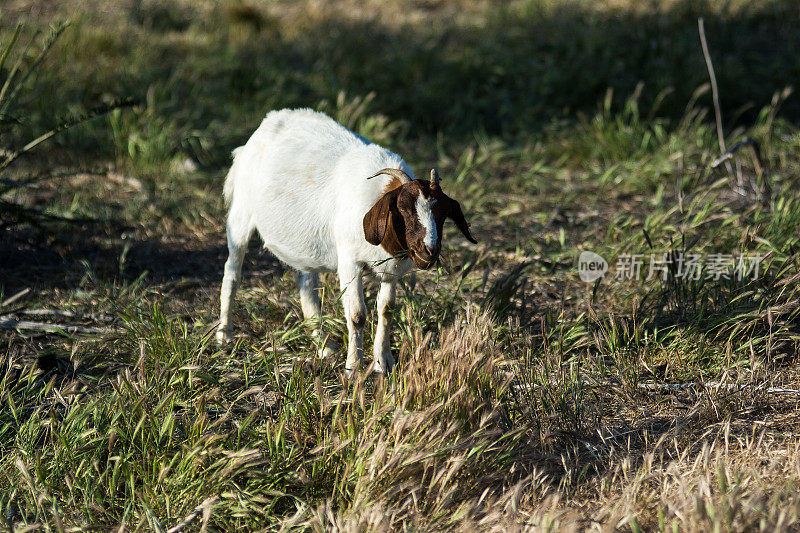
523, 397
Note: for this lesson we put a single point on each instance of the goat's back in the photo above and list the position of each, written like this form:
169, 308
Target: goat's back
300, 180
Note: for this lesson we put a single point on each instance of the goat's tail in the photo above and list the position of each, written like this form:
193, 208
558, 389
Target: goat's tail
230, 179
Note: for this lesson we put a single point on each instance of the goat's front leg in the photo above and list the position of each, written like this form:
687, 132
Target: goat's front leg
383, 332
354, 312
308, 283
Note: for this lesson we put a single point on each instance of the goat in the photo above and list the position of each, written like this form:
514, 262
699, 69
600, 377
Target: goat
325, 199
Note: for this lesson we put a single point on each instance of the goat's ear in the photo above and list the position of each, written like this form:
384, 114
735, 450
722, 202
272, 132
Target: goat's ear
455, 214
378, 218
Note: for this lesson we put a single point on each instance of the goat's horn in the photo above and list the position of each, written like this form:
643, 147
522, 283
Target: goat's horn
434, 178
395, 172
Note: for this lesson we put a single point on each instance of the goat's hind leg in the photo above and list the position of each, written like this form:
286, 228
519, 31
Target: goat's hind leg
238, 231
308, 283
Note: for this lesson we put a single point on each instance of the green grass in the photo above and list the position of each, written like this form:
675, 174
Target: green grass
523, 396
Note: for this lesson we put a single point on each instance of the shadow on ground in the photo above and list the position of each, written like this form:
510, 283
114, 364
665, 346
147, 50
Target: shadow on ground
26, 261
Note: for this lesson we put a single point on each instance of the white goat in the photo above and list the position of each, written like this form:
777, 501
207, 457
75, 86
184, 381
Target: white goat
303, 181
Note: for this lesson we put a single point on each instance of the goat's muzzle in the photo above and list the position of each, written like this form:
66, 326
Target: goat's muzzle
424, 258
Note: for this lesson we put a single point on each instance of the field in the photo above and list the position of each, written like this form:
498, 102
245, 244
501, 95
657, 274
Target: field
663, 399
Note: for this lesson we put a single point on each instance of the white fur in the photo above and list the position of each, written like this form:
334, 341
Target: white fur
301, 182
425, 216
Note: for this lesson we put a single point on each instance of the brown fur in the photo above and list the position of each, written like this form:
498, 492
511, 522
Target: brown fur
377, 221
392, 221
393, 184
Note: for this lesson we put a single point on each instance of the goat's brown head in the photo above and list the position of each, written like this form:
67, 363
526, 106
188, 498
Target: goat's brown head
408, 218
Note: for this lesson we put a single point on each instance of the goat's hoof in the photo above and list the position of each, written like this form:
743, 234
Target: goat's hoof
331, 349
223, 336
384, 363
351, 365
